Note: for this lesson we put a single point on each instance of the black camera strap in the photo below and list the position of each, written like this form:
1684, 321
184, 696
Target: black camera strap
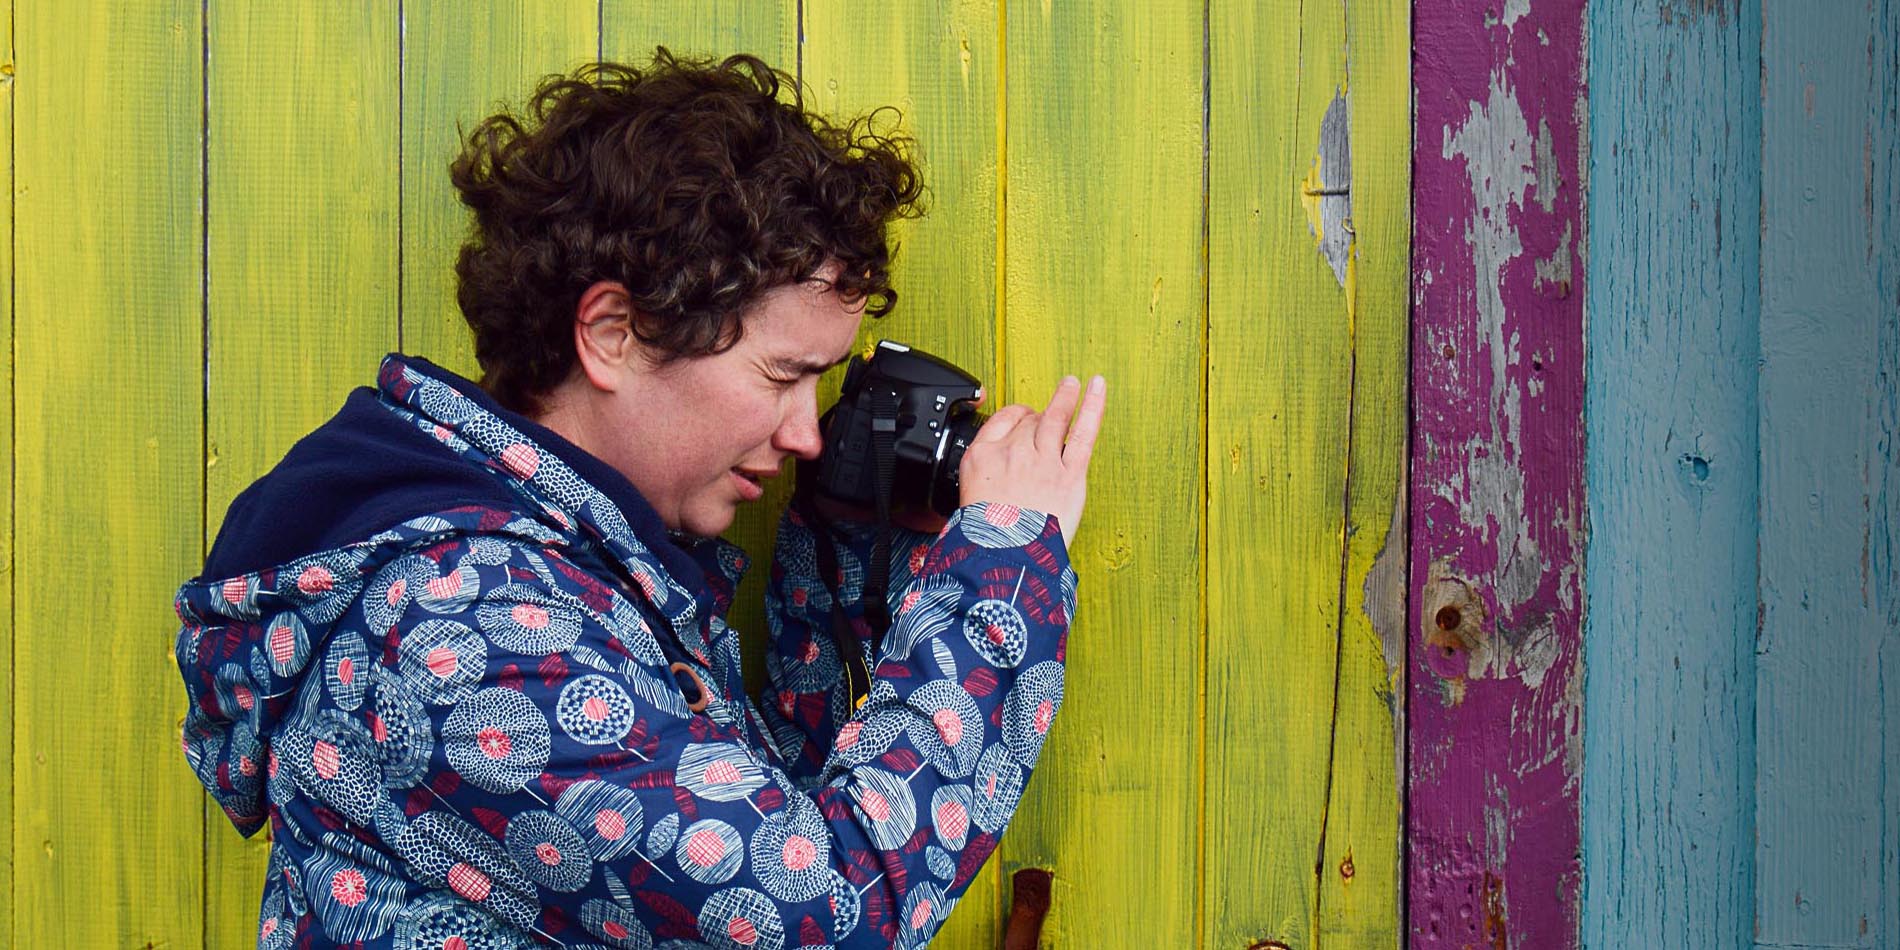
857, 672
851, 655
884, 457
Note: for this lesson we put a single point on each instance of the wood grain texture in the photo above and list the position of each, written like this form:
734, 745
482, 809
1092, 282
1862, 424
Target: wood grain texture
8, 578
1826, 875
715, 29
300, 258
1360, 871
457, 70
1497, 475
1279, 419
109, 487
1881, 208
629, 32
1104, 273
1673, 310
1227, 761
941, 69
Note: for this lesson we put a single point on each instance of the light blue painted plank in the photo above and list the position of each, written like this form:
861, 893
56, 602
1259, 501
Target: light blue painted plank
1672, 304
1883, 204
1820, 868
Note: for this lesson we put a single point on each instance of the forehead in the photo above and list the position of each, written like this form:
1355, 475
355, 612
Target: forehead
805, 322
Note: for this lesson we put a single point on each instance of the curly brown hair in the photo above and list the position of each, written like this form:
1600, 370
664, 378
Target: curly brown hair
689, 182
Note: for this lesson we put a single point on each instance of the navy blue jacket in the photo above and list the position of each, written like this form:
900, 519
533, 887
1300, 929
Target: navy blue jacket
440, 651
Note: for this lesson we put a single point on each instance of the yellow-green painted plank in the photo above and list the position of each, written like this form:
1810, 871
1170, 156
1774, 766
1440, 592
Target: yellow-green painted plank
458, 68
301, 253
1278, 426
1103, 273
7, 576
108, 493
1360, 872
630, 29
939, 67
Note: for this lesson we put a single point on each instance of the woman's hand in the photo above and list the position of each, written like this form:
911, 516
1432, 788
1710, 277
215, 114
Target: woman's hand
1033, 460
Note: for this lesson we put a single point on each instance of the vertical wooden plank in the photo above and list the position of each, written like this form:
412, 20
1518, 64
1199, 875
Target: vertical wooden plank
1278, 419
1104, 273
1881, 205
1361, 870
301, 253
1673, 309
1820, 715
1497, 475
457, 69
7, 576
629, 29
108, 385
941, 69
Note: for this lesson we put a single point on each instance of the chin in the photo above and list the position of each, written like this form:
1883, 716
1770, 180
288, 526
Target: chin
707, 524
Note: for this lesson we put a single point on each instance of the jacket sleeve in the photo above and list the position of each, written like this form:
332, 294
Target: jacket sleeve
808, 698
568, 786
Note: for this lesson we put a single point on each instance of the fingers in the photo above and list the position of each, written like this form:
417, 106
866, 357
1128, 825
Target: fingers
1054, 423
1088, 422
999, 425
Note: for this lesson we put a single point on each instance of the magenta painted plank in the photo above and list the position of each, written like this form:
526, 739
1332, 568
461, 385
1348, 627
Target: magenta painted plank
1497, 474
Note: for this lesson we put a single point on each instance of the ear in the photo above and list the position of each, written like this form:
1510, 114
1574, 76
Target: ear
604, 342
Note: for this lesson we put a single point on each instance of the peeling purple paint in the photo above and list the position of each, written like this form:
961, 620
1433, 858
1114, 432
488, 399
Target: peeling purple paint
1497, 475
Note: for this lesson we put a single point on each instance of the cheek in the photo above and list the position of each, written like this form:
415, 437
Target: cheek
745, 420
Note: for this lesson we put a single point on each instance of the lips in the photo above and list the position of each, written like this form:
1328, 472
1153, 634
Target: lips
751, 486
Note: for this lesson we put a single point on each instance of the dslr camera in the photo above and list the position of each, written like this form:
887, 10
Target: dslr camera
897, 434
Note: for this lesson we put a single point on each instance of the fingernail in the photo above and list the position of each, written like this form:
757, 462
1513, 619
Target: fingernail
1066, 380
1097, 384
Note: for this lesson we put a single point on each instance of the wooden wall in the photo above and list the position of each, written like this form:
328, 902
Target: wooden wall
1742, 770
223, 213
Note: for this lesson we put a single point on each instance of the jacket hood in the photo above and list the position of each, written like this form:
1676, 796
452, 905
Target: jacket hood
423, 457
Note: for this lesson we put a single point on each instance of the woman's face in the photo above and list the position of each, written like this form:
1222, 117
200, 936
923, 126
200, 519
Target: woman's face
698, 435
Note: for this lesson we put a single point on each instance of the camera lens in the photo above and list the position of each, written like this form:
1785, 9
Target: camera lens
959, 431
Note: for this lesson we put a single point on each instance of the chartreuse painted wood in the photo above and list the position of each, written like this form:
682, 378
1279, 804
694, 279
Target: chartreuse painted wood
715, 29
108, 383
1230, 714
7, 575
1360, 869
1309, 133
941, 69
457, 70
630, 29
1278, 416
1104, 273
300, 258
1673, 304
1825, 671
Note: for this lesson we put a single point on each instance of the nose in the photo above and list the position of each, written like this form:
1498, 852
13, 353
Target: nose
798, 431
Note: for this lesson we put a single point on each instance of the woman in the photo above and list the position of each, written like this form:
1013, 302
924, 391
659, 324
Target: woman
464, 648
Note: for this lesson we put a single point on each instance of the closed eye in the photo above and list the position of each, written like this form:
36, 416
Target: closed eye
800, 367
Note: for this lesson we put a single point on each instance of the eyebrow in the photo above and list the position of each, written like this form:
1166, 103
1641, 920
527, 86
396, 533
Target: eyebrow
799, 365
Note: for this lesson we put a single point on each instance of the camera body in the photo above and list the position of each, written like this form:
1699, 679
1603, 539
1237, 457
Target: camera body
926, 408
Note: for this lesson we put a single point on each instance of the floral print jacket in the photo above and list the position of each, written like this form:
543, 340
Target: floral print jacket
466, 729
